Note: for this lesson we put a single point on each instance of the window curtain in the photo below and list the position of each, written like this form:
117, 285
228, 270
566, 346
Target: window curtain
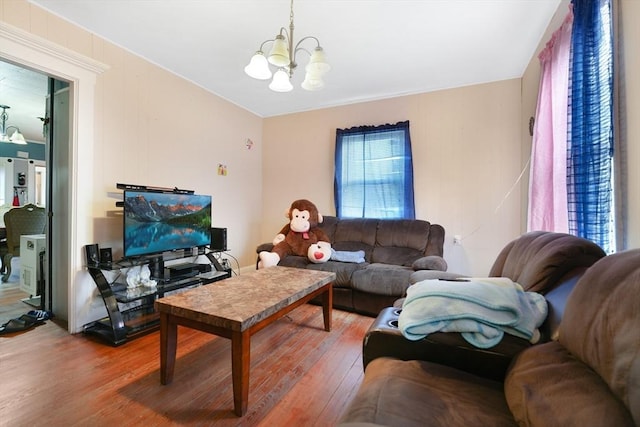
589, 166
374, 172
547, 182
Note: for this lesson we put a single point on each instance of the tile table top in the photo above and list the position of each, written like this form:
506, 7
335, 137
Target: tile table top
240, 302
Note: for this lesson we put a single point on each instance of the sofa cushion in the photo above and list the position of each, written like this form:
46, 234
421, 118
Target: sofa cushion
382, 279
361, 230
415, 393
608, 294
431, 262
400, 241
328, 225
546, 387
395, 255
404, 233
538, 259
344, 271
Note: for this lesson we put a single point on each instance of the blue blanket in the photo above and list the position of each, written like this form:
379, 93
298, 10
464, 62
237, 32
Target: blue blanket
481, 309
347, 256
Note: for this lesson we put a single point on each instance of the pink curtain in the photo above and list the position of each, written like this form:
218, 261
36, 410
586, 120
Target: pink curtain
548, 180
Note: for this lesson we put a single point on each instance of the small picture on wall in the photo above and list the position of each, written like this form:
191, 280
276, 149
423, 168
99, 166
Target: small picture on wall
222, 169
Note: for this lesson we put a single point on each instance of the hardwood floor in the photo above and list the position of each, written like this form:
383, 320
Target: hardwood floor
300, 376
11, 305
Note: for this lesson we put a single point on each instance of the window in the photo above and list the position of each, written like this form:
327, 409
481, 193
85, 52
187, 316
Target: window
374, 172
572, 163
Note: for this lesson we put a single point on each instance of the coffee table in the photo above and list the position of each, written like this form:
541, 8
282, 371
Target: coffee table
237, 308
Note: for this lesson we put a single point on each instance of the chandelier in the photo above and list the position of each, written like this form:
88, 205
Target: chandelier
283, 55
17, 137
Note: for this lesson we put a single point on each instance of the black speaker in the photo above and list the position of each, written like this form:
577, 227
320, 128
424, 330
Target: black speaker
218, 239
105, 256
156, 266
92, 253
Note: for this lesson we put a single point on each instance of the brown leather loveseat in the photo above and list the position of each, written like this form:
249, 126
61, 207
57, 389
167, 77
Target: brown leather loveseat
543, 262
588, 374
393, 249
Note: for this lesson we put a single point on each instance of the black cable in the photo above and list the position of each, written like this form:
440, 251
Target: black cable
236, 260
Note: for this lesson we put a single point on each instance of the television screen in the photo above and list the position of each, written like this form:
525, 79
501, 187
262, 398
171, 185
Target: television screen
161, 222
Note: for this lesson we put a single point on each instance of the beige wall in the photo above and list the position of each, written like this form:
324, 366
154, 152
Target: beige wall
629, 15
150, 127
464, 144
470, 145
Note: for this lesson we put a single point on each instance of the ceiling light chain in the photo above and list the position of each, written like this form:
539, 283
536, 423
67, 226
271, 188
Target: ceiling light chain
17, 137
283, 55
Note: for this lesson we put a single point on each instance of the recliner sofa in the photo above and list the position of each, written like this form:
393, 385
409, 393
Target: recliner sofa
544, 262
587, 374
393, 250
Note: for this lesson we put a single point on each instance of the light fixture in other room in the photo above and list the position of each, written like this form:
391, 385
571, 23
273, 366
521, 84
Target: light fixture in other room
17, 137
283, 55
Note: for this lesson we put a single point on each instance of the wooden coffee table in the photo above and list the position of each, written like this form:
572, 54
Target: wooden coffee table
236, 308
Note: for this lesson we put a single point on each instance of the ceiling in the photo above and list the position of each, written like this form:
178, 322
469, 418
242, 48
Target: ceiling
24, 91
377, 48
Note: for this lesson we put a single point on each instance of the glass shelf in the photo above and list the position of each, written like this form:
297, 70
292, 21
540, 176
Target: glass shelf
123, 323
129, 295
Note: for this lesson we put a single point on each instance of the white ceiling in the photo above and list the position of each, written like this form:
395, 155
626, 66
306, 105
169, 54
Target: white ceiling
24, 91
377, 48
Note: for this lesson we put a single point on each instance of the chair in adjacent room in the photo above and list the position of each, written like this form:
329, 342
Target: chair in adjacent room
27, 220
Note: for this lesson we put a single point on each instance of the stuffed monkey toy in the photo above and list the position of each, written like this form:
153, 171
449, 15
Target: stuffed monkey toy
301, 236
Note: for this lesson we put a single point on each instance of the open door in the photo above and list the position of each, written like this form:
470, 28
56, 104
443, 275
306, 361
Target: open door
57, 134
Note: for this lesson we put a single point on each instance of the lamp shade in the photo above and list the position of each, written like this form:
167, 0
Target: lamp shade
18, 138
279, 55
258, 67
318, 64
280, 82
312, 82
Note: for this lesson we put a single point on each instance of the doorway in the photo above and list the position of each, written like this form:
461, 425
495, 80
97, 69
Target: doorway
72, 222
27, 96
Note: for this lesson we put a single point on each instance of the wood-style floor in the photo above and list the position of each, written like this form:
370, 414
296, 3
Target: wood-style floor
11, 305
300, 376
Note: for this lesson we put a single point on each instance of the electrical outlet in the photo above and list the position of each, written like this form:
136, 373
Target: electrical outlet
457, 240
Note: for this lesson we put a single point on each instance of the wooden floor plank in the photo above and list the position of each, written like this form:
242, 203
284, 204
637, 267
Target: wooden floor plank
300, 375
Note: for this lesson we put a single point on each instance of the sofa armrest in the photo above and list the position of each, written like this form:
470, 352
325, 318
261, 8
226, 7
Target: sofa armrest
384, 339
268, 247
430, 262
264, 247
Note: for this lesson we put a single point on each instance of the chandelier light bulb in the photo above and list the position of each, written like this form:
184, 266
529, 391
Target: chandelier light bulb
279, 55
258, 67
312, 82
18, 138
318, 64
280, 82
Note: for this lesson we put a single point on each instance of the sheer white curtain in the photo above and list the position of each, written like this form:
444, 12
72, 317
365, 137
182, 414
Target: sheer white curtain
548, 181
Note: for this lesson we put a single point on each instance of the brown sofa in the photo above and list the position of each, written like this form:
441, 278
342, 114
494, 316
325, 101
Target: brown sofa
543, 262
589, 375
393, 250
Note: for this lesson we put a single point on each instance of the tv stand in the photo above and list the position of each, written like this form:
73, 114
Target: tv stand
214, 261
131, 312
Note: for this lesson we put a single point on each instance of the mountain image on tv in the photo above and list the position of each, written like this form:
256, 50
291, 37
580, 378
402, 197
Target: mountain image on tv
170, 208
160, 222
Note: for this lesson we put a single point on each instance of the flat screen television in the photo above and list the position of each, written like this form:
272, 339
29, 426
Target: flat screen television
156, 222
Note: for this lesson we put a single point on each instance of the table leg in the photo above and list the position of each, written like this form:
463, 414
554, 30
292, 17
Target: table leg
327, 307
168, 345
240, 362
